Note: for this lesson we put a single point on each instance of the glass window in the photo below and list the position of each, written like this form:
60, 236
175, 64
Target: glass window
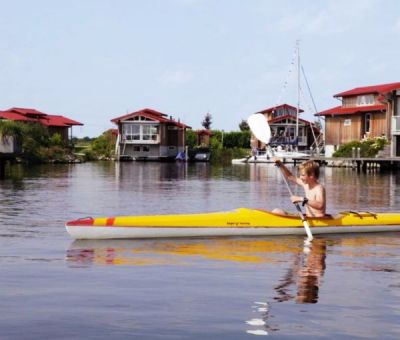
365, 100
135, 131
367, 122
138, 132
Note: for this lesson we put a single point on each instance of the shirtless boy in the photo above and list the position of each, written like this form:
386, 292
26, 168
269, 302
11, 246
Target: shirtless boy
315, 197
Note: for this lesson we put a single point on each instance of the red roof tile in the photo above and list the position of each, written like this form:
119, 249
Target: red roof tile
33, 115
56, 120
383, 88
14, 116
339, 110
27, 112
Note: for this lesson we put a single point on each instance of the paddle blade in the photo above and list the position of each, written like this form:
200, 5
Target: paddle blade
259, 127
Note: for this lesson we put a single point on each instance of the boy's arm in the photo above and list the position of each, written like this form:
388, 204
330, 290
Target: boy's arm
319, 200
286, 171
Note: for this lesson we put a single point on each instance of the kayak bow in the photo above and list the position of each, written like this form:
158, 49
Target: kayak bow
239, 222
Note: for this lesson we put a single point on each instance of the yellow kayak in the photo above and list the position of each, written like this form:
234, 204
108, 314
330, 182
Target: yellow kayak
239, 222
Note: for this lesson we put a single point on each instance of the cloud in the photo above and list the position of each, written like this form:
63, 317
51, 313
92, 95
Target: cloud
175, 77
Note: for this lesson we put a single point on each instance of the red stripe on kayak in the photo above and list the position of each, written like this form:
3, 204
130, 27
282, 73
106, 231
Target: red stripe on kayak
110, 221
84, 222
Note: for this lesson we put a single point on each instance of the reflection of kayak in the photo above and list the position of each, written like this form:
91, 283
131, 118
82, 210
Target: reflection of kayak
240, 222
172, 251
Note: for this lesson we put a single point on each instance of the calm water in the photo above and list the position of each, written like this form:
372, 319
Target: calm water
52, 287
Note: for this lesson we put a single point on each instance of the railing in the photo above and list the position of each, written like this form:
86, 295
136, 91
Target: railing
396, 125
282, 140
129, 140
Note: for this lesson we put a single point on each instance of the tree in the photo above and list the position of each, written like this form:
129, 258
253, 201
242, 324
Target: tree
104, 145
243, 126
191, 139
206, 123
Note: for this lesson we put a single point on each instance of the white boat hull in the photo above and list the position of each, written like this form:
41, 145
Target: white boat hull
85, 232
285, 156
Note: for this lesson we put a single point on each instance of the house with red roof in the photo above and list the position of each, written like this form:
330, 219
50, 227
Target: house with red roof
288, 129
149, 135
369, 111
54, 123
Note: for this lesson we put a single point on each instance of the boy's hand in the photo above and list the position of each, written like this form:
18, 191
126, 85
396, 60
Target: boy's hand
277, 161
297, 199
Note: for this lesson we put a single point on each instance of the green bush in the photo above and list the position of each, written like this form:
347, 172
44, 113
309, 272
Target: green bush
104, 145
11, 128
191, 139
90, 155
237, 139
369, 148
56, 140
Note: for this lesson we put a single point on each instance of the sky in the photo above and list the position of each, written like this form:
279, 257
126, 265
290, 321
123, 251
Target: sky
95, 60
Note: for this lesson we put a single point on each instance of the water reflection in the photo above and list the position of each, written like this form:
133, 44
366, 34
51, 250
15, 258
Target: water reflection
172, 251
306, 273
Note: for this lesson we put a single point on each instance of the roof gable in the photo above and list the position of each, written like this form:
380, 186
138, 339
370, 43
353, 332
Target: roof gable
279, 119
152, 115
282, 106
149, 113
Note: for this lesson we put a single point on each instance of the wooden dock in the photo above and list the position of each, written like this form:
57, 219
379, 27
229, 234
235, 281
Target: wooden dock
358, 163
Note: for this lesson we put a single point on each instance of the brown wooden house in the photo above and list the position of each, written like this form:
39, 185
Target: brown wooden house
203, 137
149, 134
369, 111
287, 130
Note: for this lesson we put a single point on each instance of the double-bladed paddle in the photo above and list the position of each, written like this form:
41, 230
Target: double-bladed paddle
260, 128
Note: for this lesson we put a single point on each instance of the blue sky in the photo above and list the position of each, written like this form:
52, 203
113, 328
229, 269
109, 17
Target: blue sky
95, 60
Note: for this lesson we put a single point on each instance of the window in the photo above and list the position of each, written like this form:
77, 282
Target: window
141, 119
367, 122
347, 122
135, 131
140, 132
365, 100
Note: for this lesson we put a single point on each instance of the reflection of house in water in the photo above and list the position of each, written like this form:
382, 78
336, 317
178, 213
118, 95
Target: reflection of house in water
149, 135
287, 130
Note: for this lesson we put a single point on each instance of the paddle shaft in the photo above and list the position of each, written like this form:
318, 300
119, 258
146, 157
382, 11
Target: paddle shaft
260, 128
303, 218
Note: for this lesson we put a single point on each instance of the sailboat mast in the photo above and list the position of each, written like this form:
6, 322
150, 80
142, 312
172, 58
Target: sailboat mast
298, 93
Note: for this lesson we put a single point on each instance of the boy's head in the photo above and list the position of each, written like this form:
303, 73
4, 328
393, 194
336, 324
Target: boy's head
310, 168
